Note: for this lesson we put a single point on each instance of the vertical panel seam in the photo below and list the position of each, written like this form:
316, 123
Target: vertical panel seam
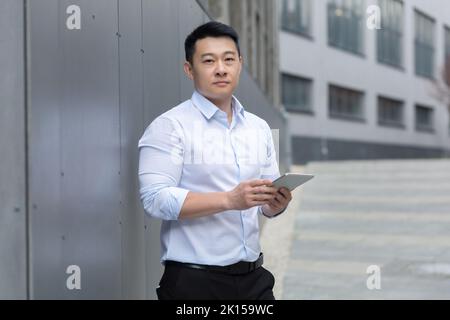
26, 154
143, 127
120, 157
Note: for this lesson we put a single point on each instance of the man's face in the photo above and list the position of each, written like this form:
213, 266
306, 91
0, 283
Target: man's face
216, 67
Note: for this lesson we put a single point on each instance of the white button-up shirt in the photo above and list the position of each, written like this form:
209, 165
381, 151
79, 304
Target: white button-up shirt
192, 147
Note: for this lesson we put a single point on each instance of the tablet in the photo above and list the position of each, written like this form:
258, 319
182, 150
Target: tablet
292, 180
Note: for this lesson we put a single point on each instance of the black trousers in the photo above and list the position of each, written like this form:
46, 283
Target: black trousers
182, 283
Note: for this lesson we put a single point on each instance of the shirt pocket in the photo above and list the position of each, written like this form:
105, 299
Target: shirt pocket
251, 153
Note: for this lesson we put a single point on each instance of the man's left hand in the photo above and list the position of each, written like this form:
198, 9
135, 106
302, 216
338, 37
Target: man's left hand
279, 202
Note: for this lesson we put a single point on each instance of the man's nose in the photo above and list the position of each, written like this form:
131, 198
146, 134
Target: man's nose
220, 69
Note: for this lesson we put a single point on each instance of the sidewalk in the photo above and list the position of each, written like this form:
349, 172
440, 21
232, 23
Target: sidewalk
391, 214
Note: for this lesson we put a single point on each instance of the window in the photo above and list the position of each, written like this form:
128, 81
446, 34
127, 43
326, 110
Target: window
296, 16
447, 64
424, 45
345, 103
424, 118
390, 36
390, 112
447, 53
345, 25
296, 93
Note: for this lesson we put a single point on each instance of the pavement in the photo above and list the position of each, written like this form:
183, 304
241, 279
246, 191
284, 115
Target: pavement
364, 230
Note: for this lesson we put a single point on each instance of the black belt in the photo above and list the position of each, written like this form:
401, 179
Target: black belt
241, 267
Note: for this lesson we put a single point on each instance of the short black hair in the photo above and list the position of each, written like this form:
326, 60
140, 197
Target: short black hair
213, 29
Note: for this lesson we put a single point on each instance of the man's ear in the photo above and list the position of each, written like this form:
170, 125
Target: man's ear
188, 70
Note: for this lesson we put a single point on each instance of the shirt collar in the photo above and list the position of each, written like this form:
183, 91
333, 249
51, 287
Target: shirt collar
209, 109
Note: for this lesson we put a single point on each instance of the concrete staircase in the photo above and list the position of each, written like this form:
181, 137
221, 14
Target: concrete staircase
356, 218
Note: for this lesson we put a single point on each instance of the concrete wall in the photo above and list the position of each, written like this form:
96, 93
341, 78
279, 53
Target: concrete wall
13, 230
91, 92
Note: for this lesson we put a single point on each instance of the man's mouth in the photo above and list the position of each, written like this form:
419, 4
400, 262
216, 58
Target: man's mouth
221, 83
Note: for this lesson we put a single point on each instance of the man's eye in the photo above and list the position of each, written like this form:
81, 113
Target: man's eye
229, 59
208, 61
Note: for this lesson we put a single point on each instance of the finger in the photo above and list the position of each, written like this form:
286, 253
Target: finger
264, 189
260, 182
279, 200
286, 193
261, 197
279, 203
275, 206
276, 201
282, 200
279, 196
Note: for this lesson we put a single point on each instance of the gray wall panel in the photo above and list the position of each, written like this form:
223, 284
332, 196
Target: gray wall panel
161, 45
93, 92
131, 128
13, 254
82, 224
47, 276
161, 92
189, 18
90, 150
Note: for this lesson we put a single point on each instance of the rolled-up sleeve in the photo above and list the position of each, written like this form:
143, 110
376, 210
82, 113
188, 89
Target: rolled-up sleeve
160, 166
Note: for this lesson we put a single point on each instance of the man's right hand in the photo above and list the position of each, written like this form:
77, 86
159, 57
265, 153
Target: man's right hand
251, 193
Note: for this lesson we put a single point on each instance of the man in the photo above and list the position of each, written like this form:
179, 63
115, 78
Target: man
205, 169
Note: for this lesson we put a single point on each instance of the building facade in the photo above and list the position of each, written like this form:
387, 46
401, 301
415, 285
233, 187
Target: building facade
353, 91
